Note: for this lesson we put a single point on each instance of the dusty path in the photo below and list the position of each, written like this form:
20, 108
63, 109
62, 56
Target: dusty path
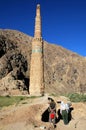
27, 116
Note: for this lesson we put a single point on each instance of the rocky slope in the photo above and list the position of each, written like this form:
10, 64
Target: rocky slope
64, 71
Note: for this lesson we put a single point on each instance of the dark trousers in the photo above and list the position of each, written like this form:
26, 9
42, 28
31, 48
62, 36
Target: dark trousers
65, 116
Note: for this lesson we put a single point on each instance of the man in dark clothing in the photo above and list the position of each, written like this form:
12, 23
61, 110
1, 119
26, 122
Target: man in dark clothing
52, 111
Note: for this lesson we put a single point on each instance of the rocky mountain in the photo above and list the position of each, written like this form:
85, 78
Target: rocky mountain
64, 70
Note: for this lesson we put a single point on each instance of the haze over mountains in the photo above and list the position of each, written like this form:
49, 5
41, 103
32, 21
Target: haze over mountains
64, 70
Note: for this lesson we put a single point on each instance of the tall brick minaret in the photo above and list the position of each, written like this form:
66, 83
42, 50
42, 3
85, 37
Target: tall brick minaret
36, 87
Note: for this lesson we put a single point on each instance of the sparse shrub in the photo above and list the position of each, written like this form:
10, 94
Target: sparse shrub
11, 100
76, 97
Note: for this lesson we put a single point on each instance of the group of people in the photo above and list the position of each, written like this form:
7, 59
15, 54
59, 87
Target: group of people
64, 111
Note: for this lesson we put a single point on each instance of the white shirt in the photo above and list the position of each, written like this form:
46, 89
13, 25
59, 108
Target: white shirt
64, 107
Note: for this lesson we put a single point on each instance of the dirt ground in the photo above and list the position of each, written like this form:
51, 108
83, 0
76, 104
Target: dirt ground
32, 114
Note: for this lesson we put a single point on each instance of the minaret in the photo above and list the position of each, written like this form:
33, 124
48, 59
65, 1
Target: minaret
36, 87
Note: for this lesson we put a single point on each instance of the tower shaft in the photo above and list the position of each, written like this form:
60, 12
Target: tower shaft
37, 33
36, 66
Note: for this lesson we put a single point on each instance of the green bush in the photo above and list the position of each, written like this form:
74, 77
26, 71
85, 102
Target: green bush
8, 100
76, 97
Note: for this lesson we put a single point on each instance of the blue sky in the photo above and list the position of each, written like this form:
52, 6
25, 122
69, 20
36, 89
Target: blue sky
63, 21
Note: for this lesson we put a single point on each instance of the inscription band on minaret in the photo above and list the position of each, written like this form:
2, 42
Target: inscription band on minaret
37, 65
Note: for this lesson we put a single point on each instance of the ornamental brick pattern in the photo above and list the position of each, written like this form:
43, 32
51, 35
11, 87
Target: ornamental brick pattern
36, 87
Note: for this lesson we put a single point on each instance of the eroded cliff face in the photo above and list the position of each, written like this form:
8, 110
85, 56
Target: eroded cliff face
14, 62
64, 71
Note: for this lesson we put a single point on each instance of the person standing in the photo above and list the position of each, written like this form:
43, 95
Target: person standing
64, 109
52, 111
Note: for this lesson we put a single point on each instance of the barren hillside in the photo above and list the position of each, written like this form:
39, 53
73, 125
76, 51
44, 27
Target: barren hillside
64, 71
